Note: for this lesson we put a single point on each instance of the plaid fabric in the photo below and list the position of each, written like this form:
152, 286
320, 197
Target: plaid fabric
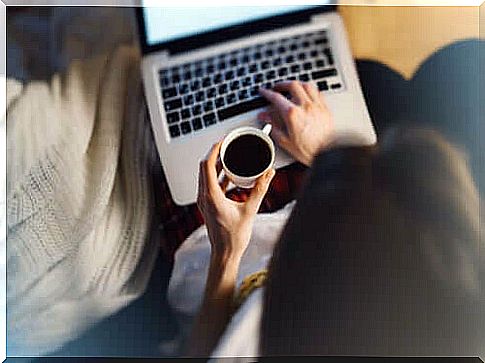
176, 223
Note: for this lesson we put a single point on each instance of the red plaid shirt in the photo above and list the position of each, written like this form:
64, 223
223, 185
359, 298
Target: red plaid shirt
176, 223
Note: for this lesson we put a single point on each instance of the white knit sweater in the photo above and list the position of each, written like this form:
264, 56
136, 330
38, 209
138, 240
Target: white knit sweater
78, 201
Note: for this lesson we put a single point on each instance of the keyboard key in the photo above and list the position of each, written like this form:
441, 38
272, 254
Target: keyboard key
290, 59
241, 108
243, 94
305, 44
292, 78
200, 96
268, 85
241, 71
175, 78
195, 85
336, 86
281, 50
221, 66
220, 102
229, 75
282, 71
218, 78
234, 85
265, 65
322, 86
185, 113
233, 62
301, 56
276, 62
197, 123
258, 78
185, 126
188, 100
208, 106
164, 81
231, 98
184, 88
210, 68
257, 56
169, 92
268, 53
329, 55
295, 68
196, 110
198, 72
254, 91
174, 131
307, 66
187, 76
324, 73
210, 119
304, 77
320, 63
211, 92
319, 41
222, 89
245, 58
293, 47
173, 104
206, 82
246, 82
313, 54
253, 68
173, 117
270, 75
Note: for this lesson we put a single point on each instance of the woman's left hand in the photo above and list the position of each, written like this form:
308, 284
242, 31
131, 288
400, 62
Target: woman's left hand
229, 223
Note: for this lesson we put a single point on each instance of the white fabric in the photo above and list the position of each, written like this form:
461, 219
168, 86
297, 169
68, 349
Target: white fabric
187, 284
240, 340
78, 201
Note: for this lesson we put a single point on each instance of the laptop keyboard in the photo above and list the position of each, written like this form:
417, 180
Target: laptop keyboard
200, 94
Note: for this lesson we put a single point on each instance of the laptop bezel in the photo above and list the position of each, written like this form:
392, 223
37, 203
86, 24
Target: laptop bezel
224, 34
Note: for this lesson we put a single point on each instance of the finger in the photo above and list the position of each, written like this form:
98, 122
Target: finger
218, 166
312, 91
296, 90
201, 187
273, 118
210, 172
323, 101
224, 183
264, 116
280, 137
259, 191
280, 102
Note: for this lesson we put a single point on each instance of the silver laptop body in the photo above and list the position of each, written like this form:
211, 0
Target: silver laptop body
198, 91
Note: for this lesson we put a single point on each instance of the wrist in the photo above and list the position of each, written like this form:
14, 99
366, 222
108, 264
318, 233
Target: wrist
225, 257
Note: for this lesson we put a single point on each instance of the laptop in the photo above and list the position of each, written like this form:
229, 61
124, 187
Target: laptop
202, 67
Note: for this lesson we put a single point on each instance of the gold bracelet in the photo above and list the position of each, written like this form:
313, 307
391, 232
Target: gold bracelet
248, 285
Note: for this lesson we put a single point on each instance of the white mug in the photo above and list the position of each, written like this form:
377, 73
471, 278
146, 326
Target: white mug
245, 181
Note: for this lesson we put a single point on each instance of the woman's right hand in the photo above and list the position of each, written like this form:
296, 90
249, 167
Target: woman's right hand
303, 126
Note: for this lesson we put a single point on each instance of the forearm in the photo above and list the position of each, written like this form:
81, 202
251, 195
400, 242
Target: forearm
216, 305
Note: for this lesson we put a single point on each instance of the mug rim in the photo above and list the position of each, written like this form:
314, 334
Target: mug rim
246, 130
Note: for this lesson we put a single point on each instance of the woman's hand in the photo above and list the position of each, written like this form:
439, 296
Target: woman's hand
303, 126
229, 223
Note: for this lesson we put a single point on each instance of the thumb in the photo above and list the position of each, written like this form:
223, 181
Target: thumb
259, 190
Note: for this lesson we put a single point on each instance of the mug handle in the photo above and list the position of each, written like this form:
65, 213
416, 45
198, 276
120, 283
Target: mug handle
267, 129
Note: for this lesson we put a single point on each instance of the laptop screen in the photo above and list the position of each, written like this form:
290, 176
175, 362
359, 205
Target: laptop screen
171, 23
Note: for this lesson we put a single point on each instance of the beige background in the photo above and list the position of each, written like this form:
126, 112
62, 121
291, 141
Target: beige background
403, 37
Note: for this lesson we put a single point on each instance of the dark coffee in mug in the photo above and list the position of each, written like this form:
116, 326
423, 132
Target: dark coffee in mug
247, 155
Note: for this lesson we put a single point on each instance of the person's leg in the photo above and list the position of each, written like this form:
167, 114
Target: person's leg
447, 94
385, 92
